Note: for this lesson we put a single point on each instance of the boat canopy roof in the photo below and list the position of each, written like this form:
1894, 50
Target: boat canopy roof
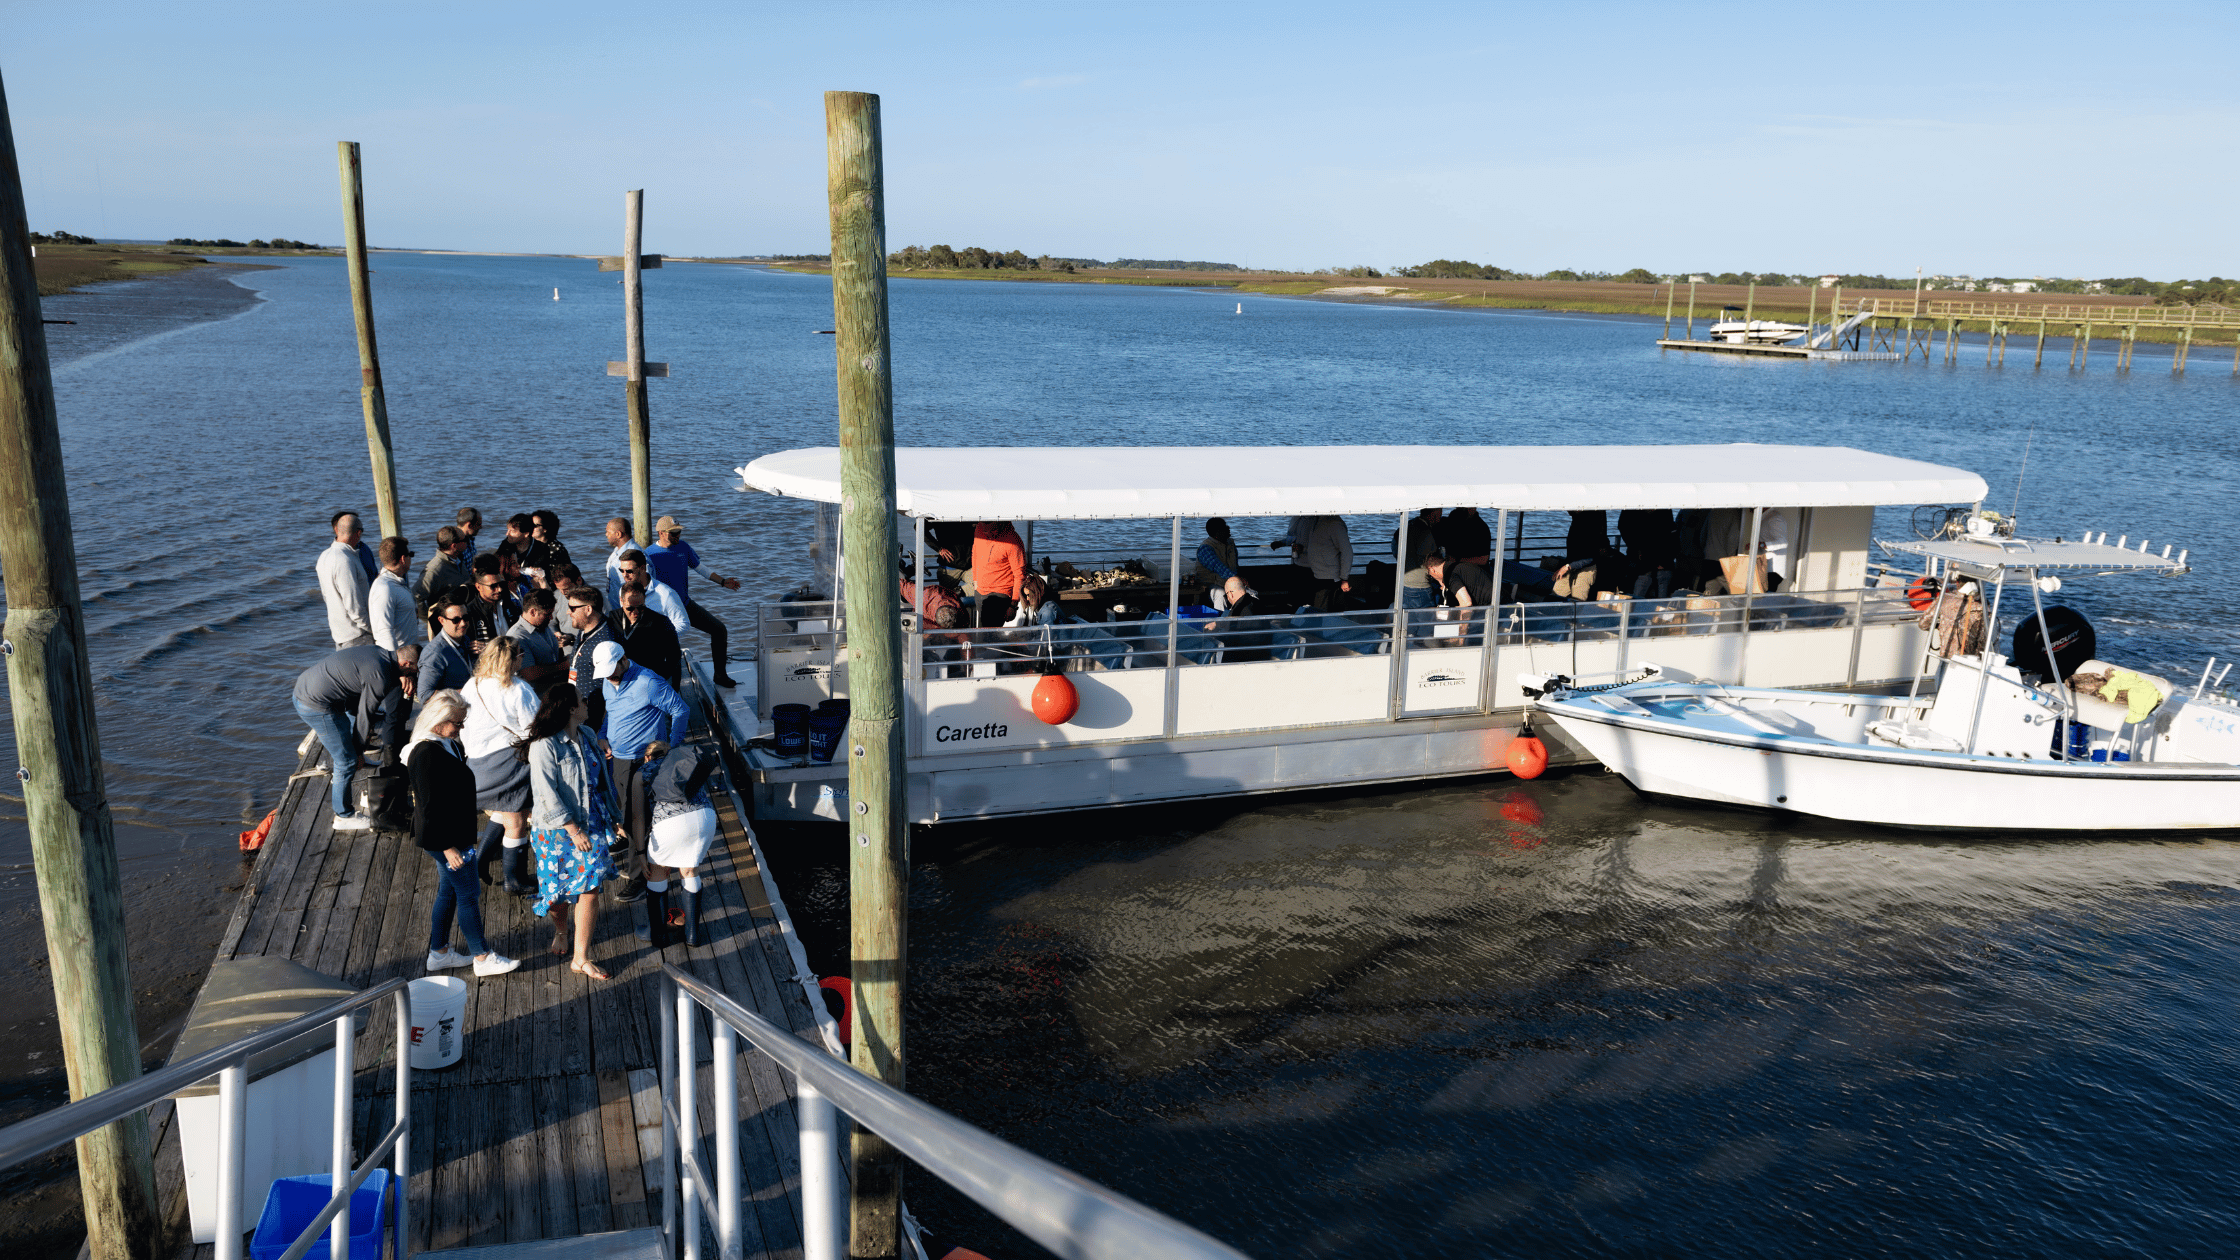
1028, 483
1986, 557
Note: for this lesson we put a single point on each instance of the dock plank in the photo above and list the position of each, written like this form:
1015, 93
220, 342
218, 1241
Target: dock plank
551, 1127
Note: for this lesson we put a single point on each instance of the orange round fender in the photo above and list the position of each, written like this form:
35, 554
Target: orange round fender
1055, 701
1922, 592
847, 991
1527, 756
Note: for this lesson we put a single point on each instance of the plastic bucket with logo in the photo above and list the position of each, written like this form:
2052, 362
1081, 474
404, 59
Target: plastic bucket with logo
791, 724
439, 1016
826, 727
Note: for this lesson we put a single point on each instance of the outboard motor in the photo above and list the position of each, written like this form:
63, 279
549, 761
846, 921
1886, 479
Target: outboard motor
2073, 643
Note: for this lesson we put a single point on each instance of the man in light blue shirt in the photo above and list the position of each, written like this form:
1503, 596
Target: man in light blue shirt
645, 718
672, 561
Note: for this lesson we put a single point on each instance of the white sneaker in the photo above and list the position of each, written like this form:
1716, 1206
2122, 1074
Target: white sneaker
352, 822
494, 964
446, 959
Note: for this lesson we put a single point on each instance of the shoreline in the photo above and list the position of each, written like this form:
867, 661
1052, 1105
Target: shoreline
1788, 304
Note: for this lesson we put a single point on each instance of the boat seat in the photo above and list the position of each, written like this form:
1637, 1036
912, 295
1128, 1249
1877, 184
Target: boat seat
1912, 735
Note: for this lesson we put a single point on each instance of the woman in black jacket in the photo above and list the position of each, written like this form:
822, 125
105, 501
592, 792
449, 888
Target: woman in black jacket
443, 823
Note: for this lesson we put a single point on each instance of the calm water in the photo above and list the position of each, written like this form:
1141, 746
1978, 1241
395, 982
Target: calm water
1483, 1018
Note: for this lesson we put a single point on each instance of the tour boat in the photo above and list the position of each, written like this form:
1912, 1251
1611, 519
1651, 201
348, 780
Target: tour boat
1293, 698
1972, 743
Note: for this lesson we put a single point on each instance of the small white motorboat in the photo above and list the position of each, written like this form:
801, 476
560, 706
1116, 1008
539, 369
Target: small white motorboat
1760, 332
1988, 748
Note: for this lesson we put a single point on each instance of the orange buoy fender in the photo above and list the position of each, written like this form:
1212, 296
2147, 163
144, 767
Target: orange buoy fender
1527, 756
1922, 592
846, 989
1055, 701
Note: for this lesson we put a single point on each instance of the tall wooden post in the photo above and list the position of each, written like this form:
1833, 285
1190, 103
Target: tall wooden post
1691, 310
634, 360
58, 750
369, 357
1669, 290
879, 854
1749, 309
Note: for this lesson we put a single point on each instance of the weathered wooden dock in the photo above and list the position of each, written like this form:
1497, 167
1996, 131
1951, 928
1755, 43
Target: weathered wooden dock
549, 1127
1762, 350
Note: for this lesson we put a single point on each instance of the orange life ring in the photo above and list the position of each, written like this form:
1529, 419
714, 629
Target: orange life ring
1922, 592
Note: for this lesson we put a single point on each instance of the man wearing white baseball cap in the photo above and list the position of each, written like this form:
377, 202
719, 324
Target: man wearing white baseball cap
645, 718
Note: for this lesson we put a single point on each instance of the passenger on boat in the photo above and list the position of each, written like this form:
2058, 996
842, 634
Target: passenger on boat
446, 664
574, 824
999, 559
645, 718
443, 815
1415, 545
446, 570
344, 579
649, 638
1216, 556
660, 596
935, 597
672, 561
1464, 584
1321, 546
952, 542
541, 659
1588, 537
499, 708
587, 621
1038, 604
1463, 535
1651, 544
348, 698
389, 601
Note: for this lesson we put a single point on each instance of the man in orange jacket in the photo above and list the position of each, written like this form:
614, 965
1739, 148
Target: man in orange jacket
999, 559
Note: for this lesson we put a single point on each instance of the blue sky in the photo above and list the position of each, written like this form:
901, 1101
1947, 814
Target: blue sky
1991, 139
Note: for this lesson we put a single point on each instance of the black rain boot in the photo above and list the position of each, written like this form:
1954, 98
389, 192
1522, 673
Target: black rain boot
521, 878
487, 851
692, 933
649, 929
659, 907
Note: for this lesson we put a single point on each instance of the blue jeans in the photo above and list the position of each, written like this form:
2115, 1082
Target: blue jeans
342, 751
457, 892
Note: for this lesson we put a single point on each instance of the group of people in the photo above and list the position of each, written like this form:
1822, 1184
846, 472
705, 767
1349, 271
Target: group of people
565, 730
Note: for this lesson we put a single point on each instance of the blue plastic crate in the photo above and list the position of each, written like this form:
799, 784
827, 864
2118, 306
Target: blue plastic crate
295, 1201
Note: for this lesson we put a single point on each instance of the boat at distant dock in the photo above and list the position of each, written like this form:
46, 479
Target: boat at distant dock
1757, 332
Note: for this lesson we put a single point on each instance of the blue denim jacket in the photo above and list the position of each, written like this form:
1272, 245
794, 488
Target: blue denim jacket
564, 775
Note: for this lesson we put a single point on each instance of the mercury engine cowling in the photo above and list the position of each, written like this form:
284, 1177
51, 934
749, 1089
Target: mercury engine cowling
2073, 643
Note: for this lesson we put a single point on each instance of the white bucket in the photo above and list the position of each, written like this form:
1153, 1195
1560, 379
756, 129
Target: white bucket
439, 1011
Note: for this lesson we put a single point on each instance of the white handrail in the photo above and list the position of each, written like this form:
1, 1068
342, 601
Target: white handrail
230, 1064
1073, 1217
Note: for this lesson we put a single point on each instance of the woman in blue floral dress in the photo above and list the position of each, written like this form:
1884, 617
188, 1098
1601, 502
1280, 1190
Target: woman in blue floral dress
572, 819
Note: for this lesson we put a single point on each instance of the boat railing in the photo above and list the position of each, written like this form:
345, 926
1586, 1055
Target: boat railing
1068, 1214
230, 1065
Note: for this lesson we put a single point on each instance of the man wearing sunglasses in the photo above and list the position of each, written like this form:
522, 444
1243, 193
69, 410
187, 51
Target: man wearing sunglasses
491, 607
660, 596
446, 663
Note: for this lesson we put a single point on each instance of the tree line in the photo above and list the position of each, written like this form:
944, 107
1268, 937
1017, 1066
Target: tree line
60, 238
277, 242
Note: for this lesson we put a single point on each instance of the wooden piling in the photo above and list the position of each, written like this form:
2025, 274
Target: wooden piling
1749, 309
1812, 312
58, 752
1692, 313
370, 397
2041, 359
879, 856
634, 369
1668, 294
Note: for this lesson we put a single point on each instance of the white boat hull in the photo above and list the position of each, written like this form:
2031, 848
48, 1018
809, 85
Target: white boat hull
1903, 788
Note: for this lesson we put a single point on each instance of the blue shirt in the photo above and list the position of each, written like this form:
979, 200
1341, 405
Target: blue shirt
643, 709
1211, 561
673, 565
367, 562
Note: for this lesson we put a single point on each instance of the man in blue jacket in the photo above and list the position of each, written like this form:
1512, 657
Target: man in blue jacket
645, 718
